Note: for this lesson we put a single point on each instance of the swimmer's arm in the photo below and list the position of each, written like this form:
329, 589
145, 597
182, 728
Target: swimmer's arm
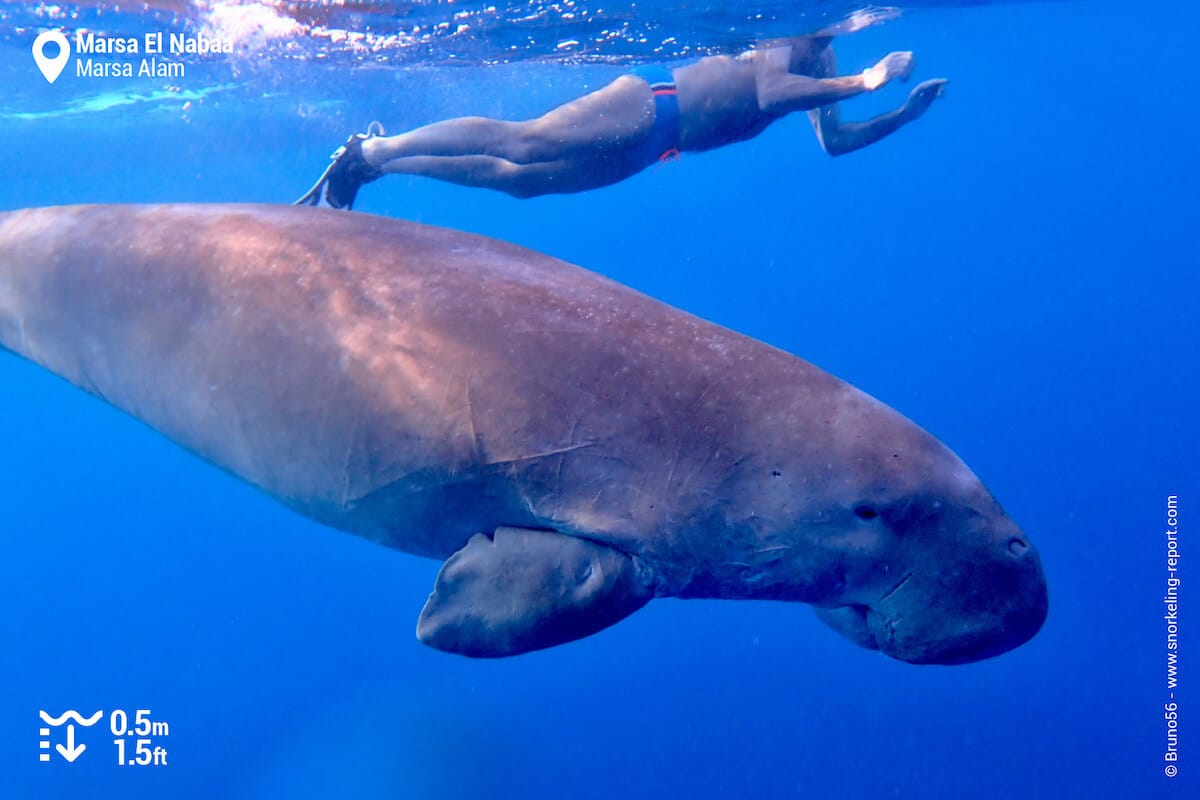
838, 138
781, 92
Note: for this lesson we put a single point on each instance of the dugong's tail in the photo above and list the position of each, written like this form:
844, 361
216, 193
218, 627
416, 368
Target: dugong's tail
138, 305
50, 259
25, 243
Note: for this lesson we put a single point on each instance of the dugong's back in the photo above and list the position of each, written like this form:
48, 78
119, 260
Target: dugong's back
376, 374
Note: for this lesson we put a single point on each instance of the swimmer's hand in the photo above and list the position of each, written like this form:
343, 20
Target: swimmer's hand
922, 97
893, 65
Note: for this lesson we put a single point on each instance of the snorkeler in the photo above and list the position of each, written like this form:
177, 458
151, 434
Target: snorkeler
646, 116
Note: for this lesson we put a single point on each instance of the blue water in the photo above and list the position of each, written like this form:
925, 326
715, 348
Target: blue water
1016, 272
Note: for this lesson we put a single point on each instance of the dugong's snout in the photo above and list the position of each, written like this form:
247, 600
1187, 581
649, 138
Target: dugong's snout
957, 616
965, 590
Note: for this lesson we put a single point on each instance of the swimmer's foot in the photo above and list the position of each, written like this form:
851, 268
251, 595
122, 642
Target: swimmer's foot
890, 67
922, 97
342, 179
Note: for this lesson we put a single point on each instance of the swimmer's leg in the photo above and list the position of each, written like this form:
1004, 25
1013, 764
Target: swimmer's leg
518, 180
838, 138
614, 116
573, 147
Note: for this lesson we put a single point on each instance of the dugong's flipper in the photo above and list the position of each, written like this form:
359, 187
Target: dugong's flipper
851, 622
525, 589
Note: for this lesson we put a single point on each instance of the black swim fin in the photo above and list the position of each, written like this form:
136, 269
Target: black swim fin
347, 173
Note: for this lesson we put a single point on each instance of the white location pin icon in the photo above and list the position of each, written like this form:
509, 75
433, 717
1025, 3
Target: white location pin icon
51, 67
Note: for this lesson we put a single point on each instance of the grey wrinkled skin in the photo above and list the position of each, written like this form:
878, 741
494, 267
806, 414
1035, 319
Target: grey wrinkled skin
418, 386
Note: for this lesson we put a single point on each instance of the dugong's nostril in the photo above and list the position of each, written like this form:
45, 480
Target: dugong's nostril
865, 512
1017, 546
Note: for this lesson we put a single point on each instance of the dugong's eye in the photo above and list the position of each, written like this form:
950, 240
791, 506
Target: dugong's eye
865, 512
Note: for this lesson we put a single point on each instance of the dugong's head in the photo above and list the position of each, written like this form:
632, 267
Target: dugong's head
892, 538
927, 567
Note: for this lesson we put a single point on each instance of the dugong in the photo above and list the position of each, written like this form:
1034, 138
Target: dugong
569, 448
